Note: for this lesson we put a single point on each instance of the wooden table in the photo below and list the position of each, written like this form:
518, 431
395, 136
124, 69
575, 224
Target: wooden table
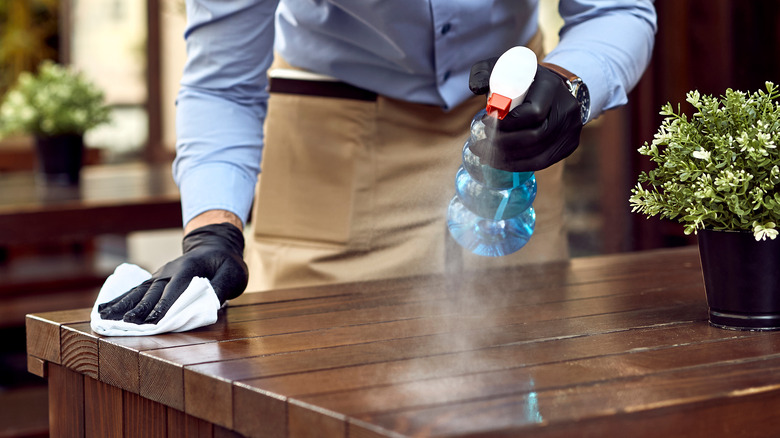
599, 347
111, 199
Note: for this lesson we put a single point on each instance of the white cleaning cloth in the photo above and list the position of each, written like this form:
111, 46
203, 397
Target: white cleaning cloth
196, 307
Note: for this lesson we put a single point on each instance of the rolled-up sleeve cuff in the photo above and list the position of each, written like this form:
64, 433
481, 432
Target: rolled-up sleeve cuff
199, 193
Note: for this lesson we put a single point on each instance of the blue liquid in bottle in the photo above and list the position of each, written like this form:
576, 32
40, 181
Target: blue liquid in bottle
491, 213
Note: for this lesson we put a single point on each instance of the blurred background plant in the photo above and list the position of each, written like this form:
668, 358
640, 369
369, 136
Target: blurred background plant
56, 100
28, 36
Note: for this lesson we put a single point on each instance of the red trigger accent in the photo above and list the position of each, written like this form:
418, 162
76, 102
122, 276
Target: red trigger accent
498, 105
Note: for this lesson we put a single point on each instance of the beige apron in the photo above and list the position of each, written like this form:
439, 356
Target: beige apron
354, 190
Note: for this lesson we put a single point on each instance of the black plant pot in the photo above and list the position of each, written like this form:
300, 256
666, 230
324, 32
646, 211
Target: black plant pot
60, 158
742, 279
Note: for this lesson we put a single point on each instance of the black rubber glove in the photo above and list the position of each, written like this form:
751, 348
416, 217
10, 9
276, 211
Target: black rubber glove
212, 251
538, 133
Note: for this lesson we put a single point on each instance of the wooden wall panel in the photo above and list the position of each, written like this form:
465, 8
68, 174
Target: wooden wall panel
709, 45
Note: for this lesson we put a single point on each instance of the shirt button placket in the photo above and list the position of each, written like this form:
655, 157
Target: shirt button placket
445, 29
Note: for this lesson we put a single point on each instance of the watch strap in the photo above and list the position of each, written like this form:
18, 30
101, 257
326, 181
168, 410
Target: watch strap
560, 71
577, 87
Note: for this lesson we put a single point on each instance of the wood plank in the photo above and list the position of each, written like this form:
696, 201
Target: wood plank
688, 307
656, 396
220, 385
748, 416
43, 338
200, 393
338, 302
447, 343
216, 383
149, 382
161, 381
79, 351
361, 429
72, 316
414, 392
305, 421
157, 342
641, 261
653, 265
181, 425
195, 427
424, 367
215, 332
43, 332
66, 402
259, 413
37, 366
468, 337
143, 417
175, 423
228, 328
118, 365
170, 370
680, 259
657, 266
330, 291
103, 409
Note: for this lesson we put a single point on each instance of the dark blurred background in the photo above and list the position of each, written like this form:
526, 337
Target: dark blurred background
705, 45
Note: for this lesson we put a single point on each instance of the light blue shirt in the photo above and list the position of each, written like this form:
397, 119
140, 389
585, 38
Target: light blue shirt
415, 50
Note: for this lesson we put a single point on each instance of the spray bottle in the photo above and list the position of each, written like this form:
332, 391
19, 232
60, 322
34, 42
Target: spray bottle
492, 213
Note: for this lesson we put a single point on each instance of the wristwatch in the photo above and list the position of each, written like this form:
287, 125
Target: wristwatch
577, 88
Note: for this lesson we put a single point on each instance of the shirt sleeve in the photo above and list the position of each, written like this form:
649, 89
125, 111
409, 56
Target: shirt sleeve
608, 44
221, 104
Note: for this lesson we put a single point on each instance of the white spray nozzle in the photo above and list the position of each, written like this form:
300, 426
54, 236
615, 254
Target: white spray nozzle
509, 82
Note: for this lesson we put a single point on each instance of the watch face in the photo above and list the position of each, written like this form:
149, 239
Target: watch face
583, 97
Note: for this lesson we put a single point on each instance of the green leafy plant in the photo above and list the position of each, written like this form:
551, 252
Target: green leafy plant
720, 169
56, 100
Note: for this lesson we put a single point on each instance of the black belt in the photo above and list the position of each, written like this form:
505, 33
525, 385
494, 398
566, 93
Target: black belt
335, 89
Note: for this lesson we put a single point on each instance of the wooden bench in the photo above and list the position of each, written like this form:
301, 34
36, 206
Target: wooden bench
602, 346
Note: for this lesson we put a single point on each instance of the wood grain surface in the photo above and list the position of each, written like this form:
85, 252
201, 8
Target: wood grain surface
601, 346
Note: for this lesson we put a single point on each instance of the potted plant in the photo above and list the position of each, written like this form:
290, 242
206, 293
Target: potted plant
56, 106
718, 173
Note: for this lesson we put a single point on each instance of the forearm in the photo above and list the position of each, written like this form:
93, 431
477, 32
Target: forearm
213, 217
221, 107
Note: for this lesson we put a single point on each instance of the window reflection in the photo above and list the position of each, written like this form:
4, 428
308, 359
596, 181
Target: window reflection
108, 43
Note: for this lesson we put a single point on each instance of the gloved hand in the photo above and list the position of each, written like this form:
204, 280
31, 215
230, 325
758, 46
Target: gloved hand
538, 133
212, 251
